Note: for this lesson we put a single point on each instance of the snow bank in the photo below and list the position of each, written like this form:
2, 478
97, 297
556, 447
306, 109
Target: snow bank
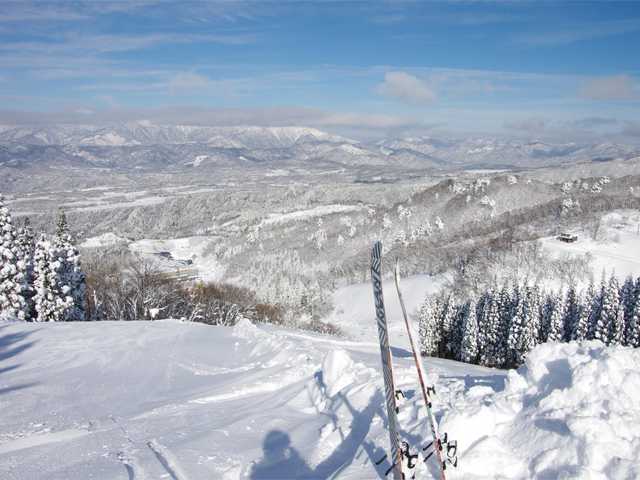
571, 411
337, 369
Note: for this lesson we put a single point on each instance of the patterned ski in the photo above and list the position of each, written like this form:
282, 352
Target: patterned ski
438, 444
387, 367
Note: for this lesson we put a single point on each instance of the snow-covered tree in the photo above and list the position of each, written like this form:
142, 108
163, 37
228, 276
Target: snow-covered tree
571, 313
534, 295
628, 300
70, 275
632, 322
521, 334
457, 331
481, 314
26, 247
490, 331
13, 304
581, 327
49, 300
469, 343
556, 323
627, 296
505, 310
428, 328
607, 323
632, 338
448, 318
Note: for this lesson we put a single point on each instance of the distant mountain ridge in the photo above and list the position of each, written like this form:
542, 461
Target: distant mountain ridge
144, 133
143, 145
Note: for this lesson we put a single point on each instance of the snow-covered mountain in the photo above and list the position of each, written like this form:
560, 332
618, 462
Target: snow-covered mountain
142, 145
481, 151
145, 133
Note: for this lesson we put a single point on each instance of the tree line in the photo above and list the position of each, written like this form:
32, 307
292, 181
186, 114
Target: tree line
41, 279
499, 327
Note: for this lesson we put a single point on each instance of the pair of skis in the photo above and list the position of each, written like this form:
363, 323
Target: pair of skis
400, 453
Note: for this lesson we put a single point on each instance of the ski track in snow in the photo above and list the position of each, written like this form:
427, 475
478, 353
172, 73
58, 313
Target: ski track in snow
248, 401
38, 439
167, 460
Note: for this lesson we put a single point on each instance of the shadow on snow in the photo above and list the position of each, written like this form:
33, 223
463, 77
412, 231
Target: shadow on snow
11, 345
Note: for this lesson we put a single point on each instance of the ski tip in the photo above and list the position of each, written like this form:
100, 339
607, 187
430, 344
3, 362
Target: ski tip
376, 250
396, 270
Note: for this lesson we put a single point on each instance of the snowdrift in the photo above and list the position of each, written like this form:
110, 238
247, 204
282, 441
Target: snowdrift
572, 411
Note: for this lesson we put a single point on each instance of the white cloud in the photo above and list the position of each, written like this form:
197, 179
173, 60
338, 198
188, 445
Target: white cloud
405, 87
188, 81
617, 87
577, 33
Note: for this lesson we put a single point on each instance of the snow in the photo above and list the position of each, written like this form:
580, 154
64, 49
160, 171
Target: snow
205, 267
617, 249
168, 399
353, 312
104, 240
318, 211
570, 412
99, 205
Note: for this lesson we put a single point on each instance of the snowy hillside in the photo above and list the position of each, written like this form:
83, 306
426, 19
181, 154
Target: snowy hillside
136, 400
616, 248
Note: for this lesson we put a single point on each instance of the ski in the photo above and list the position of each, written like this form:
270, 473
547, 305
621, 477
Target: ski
438, 444
387, 367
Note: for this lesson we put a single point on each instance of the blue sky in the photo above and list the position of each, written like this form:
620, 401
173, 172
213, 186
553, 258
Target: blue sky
558, 70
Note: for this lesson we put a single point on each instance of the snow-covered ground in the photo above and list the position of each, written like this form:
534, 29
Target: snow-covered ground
616, 250
299, 215
104, 240
354, 314
153, 400
205, 267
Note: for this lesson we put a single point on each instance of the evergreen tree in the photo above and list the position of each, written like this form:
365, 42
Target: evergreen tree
26, 247
608, 324
556, 323
491, 336
469, 341
457, 332
595, 308
581, 328
632, 324
70, 276
571, 313
535, 304
505, 309
447, 322
62, 227
617, 328
545, 319
49, 300
633, 329
481, 314
12, 270
627, 297
521, 335
428, 331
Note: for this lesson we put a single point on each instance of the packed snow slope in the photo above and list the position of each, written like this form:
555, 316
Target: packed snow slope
172, 400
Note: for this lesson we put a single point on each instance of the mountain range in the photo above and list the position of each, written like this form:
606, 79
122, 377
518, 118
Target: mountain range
146, 146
